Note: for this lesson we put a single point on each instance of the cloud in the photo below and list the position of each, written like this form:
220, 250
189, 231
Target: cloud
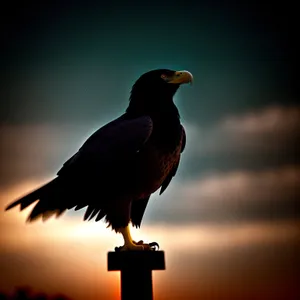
263, 130
236, 196
266, 137
35, 151
263, 138
223, 174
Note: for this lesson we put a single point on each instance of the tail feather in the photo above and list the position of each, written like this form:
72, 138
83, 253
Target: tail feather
80, 206
31, 197
42, 208
26, 200
60, 211
100, 215
88, 212
95, 212
54, 198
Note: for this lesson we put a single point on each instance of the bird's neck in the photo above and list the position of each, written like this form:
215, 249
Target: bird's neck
165, 117
160, 109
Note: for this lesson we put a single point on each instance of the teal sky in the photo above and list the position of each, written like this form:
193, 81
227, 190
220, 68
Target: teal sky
75, 64
74, 56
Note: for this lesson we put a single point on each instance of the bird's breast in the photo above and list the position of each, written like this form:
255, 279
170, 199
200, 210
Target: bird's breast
154, 163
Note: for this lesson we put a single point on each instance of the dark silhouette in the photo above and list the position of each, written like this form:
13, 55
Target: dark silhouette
136, 271
25, 293
123, 163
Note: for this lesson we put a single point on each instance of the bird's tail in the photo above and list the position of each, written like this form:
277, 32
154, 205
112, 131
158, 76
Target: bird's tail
46, 207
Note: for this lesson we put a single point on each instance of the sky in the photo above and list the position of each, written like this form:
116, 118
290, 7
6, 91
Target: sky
229, 221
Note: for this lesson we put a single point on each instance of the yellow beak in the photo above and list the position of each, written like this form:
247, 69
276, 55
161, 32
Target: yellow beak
181, 77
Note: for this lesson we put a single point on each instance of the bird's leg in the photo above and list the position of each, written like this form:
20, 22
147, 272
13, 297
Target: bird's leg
130, 245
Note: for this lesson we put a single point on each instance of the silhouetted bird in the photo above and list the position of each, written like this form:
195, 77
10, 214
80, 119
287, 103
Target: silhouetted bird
117, 169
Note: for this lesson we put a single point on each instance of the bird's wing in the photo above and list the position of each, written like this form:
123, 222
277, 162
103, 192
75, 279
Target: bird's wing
118, 139
138, 207
172, 173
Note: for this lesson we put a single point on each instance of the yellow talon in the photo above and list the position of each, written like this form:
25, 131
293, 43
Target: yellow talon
130, 245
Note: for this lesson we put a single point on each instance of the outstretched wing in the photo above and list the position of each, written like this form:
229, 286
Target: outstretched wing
116, 140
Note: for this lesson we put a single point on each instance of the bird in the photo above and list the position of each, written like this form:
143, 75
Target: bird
118, 168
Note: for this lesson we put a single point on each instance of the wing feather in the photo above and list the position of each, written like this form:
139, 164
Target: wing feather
112, 144
117, 140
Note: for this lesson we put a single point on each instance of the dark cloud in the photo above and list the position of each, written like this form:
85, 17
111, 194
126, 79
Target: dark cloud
265, 187
26, 293
257, 139
34, 151
254, 140
237, 197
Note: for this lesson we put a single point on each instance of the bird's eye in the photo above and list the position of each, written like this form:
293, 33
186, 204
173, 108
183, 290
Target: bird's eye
163, 76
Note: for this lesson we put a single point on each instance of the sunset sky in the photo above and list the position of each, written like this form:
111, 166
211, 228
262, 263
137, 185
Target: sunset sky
230, 221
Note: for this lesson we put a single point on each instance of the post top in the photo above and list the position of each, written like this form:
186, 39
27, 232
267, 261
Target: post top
149, 260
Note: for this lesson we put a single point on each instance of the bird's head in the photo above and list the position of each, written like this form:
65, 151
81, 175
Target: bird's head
157, 87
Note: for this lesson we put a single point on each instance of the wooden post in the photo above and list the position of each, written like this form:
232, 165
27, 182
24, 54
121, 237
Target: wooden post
136, 272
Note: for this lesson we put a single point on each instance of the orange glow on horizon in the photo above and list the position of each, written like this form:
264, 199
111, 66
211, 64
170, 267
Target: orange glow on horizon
199, 257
